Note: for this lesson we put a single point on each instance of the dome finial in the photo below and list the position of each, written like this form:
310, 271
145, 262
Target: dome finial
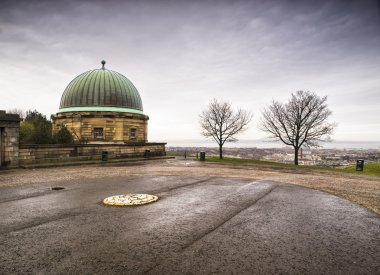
103, 63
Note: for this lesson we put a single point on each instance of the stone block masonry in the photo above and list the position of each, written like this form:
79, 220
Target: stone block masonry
36, 154
9, 139
115, 127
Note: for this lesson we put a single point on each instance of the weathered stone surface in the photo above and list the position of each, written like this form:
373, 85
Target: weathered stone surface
9, 135
116, 126
61, 153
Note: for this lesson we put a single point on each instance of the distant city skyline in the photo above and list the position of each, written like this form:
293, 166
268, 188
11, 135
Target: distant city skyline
182, 54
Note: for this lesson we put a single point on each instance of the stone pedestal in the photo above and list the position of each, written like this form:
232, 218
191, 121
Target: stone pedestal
9, 139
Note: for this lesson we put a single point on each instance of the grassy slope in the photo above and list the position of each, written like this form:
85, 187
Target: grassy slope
370, 169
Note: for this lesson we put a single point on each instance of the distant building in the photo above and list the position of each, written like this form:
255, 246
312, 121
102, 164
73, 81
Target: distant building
102, 106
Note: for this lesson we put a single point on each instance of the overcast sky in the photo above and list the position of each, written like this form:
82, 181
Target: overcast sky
181, 54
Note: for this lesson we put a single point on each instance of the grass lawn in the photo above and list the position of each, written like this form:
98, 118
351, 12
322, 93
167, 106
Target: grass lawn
370, 169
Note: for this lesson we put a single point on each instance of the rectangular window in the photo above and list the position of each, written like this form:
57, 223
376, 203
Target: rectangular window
133, 133
98, 133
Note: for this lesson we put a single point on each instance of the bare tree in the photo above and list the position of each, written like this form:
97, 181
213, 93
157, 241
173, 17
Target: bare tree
302, 120
17, 111
221, 123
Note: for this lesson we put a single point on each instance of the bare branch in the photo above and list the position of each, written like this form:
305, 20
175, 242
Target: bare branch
302, 120
221, 123
17, 111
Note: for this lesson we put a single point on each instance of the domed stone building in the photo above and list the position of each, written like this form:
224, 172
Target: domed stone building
102, 106
103, 111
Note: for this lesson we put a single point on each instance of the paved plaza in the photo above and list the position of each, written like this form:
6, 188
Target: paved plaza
199, 225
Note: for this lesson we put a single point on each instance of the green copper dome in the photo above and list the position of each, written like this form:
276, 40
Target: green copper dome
101, 90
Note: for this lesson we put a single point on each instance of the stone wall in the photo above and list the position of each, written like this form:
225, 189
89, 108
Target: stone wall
116, 126
9, 136
34, 154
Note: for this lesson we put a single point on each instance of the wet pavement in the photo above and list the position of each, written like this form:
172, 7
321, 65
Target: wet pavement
200, 225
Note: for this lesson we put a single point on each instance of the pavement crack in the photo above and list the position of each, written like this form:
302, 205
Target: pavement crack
162, 190
37, 223
229, 217
25, 197
245, 206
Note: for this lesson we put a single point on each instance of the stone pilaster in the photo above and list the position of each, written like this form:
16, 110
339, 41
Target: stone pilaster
9, 139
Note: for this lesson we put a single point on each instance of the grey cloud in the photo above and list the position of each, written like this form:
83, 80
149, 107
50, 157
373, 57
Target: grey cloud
180, 54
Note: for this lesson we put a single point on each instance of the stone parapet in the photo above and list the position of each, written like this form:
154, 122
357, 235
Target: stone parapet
32, 154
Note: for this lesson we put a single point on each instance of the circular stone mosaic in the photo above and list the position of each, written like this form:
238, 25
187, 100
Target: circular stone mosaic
130, 199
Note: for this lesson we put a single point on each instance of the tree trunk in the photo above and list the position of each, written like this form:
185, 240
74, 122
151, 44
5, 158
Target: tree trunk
296, 155
220, 151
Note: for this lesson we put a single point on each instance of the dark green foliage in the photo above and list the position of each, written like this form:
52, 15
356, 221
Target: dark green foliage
26, 132
35, 129
36, 118
63, 136
42, 133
